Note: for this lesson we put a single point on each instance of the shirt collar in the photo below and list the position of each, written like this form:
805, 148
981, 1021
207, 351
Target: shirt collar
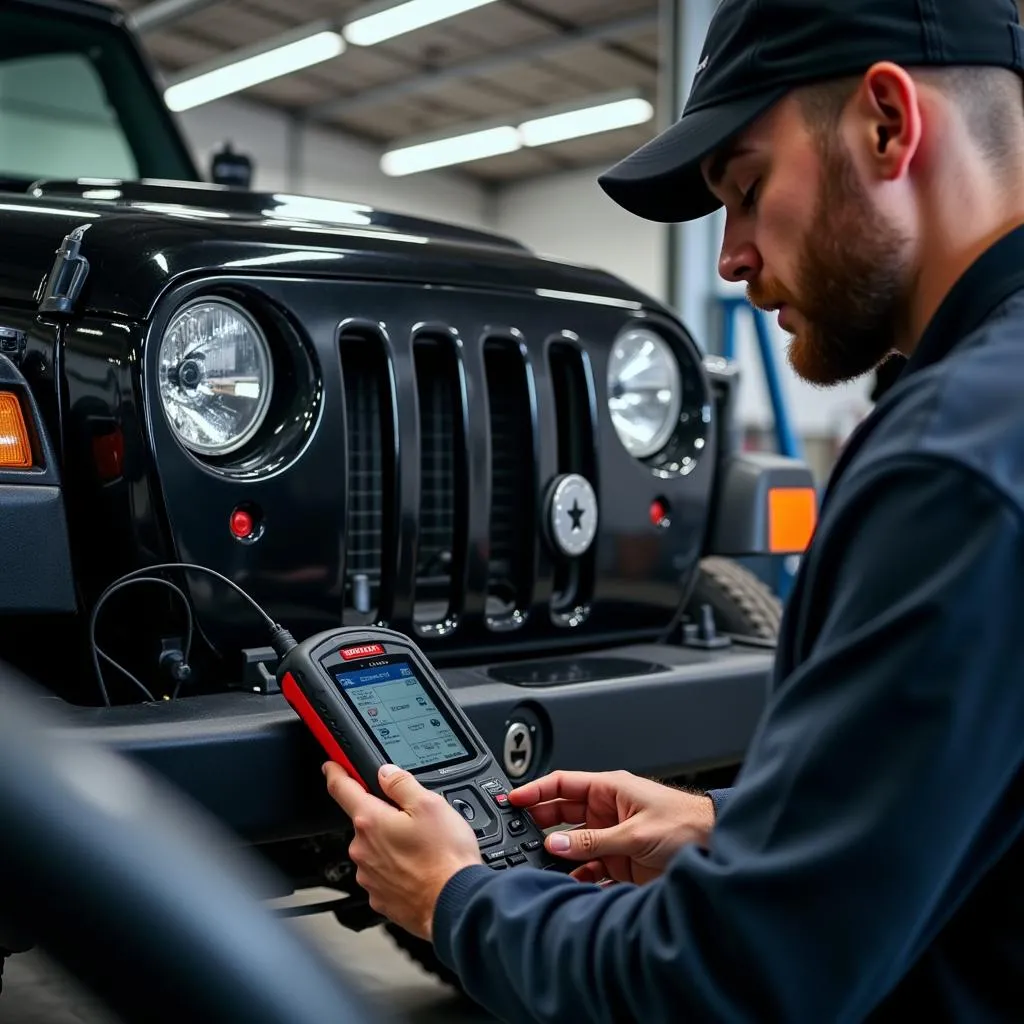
996, 275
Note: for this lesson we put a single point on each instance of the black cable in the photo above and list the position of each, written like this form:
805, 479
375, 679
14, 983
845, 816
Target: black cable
280, 639
97, 653
210, 572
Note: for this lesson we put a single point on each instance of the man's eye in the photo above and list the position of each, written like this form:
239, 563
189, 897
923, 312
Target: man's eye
750, 196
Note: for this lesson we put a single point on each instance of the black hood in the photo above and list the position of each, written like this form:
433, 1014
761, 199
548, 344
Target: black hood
140, 237
267, 207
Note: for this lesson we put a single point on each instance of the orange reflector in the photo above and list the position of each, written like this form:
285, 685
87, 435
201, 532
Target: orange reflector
15, 451
792, 518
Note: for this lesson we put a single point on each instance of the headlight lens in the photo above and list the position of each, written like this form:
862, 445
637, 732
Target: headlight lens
216, 376
644, 391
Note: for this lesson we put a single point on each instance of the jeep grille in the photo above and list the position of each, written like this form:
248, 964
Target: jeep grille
444, 419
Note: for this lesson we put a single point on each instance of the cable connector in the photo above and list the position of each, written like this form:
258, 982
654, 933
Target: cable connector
282, 641
704, 634
174, 661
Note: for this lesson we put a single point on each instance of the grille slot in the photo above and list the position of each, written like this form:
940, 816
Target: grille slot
440, 557
369, 536
574, 411
513, 499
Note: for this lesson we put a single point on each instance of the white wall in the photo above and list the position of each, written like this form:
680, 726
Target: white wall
568, 216
328, 165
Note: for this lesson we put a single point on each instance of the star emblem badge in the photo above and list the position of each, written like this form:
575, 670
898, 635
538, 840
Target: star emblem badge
576, 515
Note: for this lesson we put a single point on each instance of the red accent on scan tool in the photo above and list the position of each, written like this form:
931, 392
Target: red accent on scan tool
363, 651
297, 699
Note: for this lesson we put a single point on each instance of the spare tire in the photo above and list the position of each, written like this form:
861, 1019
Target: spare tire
741, 603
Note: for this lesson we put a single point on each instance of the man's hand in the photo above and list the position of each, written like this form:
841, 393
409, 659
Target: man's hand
632, 826
405, 854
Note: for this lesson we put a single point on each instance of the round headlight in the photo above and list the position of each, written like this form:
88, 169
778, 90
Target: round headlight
215, 377
644, 391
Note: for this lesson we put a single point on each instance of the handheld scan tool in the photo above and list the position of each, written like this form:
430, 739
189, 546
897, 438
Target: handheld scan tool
371, 697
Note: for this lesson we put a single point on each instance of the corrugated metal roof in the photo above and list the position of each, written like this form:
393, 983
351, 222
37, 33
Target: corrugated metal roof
504, 59
506, 34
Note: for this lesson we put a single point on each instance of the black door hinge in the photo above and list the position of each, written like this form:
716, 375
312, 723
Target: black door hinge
70, 268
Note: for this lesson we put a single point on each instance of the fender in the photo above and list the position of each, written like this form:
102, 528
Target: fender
35, 553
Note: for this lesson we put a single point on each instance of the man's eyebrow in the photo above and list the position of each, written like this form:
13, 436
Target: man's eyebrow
720, 164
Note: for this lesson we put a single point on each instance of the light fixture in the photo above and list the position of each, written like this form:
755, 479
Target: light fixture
645, 394
243, 69
573, 124
376, 22
544, 128
215, 376
458, 149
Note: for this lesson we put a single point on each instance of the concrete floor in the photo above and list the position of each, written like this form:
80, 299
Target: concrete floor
37, 992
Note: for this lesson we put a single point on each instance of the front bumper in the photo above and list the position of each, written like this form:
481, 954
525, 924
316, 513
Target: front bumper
248, 759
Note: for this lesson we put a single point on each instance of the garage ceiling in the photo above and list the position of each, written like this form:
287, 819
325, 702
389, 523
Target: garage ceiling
510, 57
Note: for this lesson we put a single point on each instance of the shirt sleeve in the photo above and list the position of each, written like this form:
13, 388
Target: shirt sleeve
719, 797
873, 794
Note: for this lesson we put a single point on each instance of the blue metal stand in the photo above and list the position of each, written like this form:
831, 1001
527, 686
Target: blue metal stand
788, 441
777, 574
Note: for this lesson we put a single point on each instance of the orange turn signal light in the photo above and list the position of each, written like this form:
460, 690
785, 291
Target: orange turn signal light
792, 519
15, 449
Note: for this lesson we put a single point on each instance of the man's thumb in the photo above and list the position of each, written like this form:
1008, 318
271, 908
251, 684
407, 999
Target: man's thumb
588, 843
399, 786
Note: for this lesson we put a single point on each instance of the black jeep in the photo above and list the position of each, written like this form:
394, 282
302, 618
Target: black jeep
357, 418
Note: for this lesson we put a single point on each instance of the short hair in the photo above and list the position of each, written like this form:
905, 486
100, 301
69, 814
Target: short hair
991, 100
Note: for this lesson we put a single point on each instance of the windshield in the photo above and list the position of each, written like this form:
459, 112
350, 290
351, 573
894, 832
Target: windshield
76, 102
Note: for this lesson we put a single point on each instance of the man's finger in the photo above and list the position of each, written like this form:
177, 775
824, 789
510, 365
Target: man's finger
588, 844
558, 785
594, 871
559, 812
400, 787
350, 796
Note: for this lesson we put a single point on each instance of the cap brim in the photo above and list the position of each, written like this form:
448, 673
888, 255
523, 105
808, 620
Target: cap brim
662, 181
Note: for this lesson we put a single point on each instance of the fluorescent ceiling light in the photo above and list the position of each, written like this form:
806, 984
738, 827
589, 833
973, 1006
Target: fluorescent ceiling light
613, 112
573, 124
396, 19
245, 72
460, 149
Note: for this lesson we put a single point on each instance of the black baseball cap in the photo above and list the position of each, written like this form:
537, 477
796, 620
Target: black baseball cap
757, 51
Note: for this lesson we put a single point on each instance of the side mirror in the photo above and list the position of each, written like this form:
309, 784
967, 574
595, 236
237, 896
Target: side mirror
230, 168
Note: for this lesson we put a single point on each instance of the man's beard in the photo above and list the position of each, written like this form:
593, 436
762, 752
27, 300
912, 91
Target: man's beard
853, 282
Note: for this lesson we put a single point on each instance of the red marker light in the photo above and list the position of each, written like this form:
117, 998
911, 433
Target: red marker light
659, 513
242, 524
108, 454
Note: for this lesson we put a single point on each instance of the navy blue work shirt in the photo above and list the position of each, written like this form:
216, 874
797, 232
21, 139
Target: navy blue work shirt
869, 862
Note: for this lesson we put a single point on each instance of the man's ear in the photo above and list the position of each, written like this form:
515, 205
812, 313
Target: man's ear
889, 120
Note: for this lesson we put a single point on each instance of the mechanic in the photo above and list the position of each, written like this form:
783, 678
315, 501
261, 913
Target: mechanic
867, 864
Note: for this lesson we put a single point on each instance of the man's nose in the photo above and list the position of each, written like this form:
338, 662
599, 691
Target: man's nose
739, 263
